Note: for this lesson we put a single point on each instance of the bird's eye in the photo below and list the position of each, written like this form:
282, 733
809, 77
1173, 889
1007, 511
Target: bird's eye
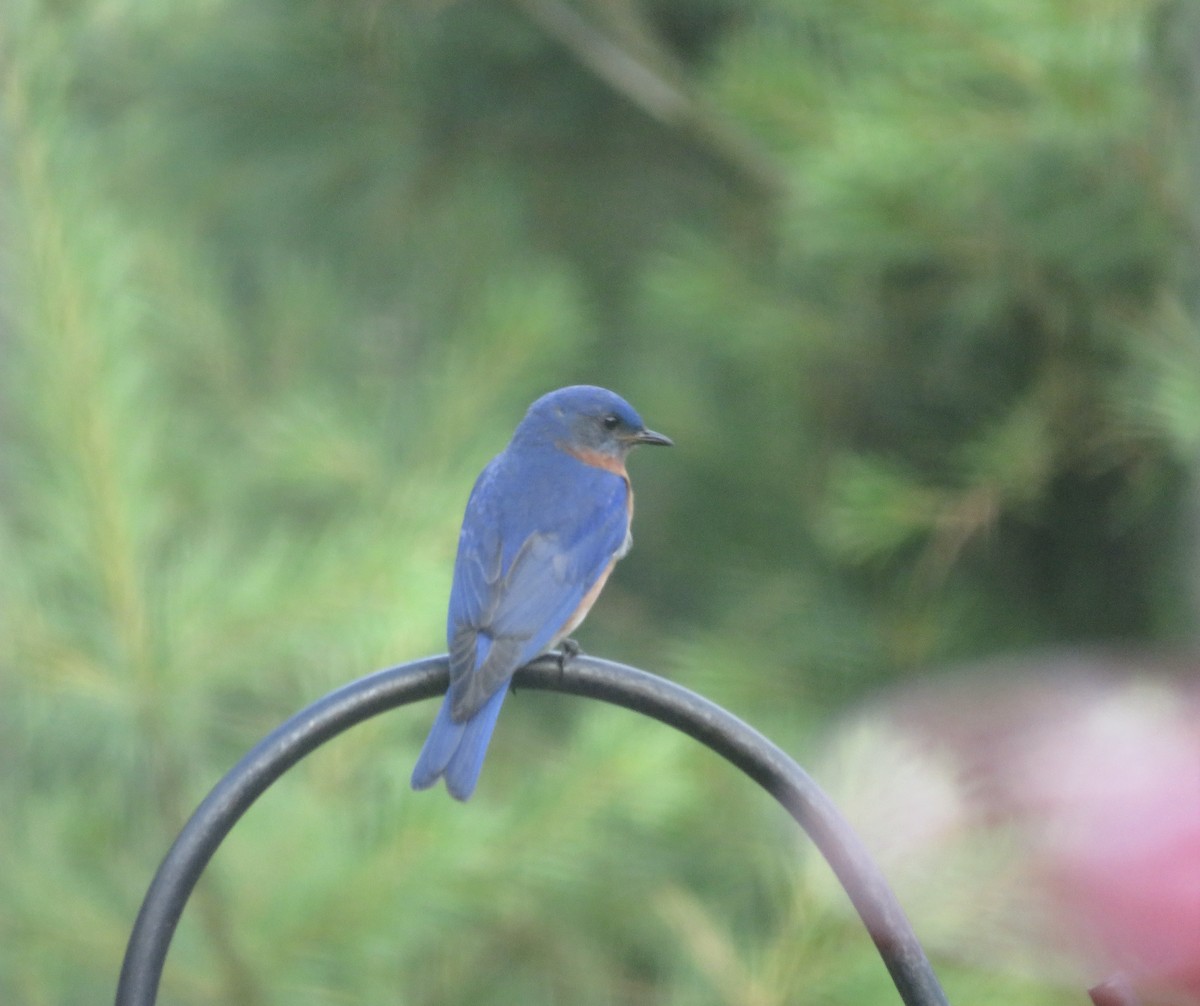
610, 422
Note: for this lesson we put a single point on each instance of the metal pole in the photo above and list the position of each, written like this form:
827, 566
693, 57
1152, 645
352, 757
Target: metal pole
618, 684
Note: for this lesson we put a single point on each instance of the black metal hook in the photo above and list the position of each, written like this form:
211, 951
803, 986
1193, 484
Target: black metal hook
616, 683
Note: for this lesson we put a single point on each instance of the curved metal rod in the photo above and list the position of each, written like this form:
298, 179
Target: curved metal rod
616, 683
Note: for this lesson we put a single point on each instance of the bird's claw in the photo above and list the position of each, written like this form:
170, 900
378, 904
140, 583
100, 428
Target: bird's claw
568, 650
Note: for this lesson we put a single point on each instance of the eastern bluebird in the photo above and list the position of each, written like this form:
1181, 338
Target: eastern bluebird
546, 522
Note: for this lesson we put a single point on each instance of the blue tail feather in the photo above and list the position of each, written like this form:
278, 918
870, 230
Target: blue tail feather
443, 738
455, 751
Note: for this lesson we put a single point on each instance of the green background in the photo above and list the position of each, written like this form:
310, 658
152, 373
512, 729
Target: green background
912, 286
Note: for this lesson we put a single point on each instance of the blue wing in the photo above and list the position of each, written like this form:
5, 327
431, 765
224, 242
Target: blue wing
535, 539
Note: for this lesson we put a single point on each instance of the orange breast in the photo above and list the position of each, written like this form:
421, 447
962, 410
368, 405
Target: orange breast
598, 459
609, 463
584, 606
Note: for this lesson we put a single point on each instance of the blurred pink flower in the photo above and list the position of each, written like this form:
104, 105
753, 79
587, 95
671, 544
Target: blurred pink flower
1112, 805
1096, 762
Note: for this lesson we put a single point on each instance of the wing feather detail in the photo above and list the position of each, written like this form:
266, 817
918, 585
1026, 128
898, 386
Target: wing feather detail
502, 615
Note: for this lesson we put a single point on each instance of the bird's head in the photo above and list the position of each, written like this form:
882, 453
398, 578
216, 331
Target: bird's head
594, 424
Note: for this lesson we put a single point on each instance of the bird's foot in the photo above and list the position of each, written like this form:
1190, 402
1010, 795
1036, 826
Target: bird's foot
568, 650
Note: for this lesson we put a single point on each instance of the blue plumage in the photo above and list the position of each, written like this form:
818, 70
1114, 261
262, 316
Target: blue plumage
546, 521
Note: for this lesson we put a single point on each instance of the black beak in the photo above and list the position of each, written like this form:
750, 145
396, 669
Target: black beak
650, 437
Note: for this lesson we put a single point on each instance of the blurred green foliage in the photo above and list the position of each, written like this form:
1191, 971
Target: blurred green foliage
912, 286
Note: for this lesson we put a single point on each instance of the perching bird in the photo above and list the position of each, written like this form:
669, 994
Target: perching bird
546, 522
